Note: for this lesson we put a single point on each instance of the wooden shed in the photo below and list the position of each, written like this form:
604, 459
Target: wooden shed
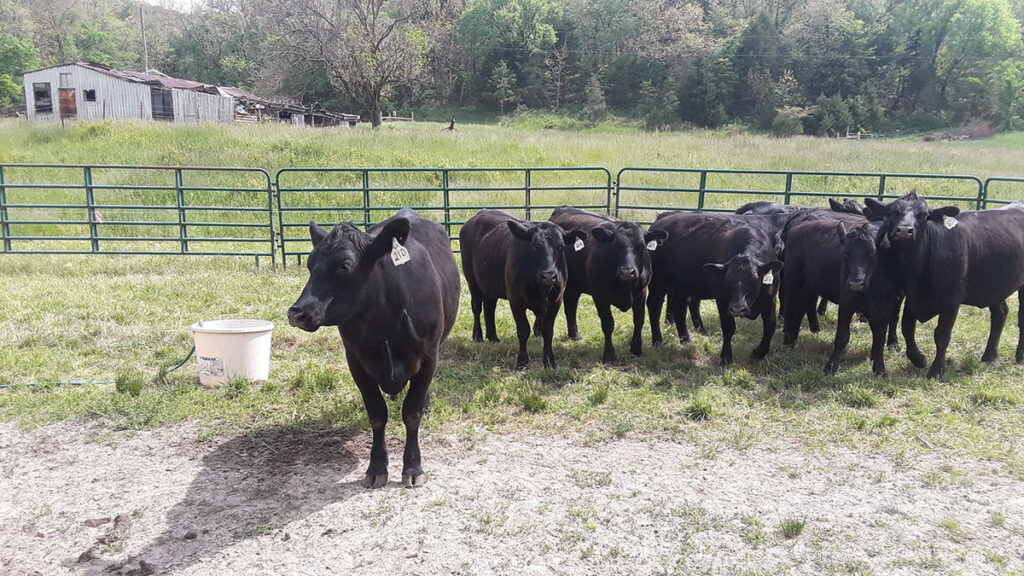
90, 91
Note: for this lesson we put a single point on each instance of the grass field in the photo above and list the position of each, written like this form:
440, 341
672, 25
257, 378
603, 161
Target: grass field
126, 319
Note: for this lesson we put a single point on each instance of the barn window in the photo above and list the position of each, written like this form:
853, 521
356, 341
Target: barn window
41, 97
65, 80
163, 103
90, 95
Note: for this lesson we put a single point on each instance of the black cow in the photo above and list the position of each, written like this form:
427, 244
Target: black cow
524, 262
813, 259
709, 257
948, 258
869, 284
614, 268
393, 292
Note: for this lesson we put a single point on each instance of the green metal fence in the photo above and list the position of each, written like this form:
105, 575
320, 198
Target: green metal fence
1010, 190
447, 195
116, 209
113, 209
640, 191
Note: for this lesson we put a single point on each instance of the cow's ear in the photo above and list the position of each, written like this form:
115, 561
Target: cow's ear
572, 236
603, 233
316, 233
521, 230
912, 195
835, 206
658, 236
715, 269
875, 210
938, 214
395, 229
773, 267
882, 237
780, 244
841, 231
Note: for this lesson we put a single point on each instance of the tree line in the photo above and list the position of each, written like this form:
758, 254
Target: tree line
788, 66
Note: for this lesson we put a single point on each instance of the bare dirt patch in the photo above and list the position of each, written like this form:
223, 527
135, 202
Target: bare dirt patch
278, 502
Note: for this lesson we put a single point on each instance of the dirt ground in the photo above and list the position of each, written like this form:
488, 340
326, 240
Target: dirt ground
75, 499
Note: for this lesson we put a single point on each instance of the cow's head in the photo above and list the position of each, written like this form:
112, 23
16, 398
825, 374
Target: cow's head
339, 265
847, 206
746, 278
545, 242
904, 219
623, 247
860, 254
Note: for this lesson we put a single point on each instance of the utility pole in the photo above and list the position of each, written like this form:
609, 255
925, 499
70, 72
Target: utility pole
145, 50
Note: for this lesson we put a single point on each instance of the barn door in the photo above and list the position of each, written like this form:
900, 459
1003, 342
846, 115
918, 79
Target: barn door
68, 107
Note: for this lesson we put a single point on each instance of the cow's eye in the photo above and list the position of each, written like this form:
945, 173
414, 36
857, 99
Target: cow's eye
345, 266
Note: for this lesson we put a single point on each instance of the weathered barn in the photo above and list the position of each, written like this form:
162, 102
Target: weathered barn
89, 91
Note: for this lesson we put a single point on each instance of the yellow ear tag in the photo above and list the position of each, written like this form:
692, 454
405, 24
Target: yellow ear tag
768, 278
399, 255
578, 245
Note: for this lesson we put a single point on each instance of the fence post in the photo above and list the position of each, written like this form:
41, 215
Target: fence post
703, 185
881, 187
447, 210
280, 219
982, 194
527, 193
366, 199
91, 206
789, 186
5, 229
271, 191
179, 183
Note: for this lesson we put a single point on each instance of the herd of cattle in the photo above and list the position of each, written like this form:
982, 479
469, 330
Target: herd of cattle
393, 290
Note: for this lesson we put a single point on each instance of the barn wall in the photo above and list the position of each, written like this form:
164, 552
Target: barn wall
119, 99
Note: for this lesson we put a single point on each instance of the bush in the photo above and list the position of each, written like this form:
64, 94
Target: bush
788, 122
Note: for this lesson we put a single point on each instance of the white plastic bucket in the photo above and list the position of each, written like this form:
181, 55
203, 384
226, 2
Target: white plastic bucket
231, 348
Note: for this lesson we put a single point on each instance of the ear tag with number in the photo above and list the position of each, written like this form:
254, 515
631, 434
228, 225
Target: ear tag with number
768, 278
652, 245
949, 222
399, 255
578, 245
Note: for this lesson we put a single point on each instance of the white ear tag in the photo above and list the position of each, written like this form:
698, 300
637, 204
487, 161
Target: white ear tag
949, 222
399, 255
768, 278
652, 245
578, 245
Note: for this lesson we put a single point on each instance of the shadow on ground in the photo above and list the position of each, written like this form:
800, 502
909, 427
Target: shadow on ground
250, 486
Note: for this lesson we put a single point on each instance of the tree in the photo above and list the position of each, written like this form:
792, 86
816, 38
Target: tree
16, 56
368, 47
503, 81
558, 76
594, 106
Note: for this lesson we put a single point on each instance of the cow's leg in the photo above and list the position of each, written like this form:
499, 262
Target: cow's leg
728, 330
548, 333
943, 331
1020, 326
604, 311
879, 327
695, 318
537, 321
678, 310
489, 306
476, 300
793, 314
822, 307
769, 323
812, 318
669, 320
655, 300
909, 326
377, 410
636, 344
997, 318
412, 414
892, 341
842, 338
523, 333
572, 301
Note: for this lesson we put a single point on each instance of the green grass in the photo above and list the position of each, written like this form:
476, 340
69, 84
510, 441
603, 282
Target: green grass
68, 318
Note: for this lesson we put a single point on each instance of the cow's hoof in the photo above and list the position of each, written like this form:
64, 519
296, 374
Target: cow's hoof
894, 346
493, 339
831, 368
575, 337
936, 372
411, 481
636, 351
375, 480
918, 360
759, 354
881, 373
701, 330
989, 358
